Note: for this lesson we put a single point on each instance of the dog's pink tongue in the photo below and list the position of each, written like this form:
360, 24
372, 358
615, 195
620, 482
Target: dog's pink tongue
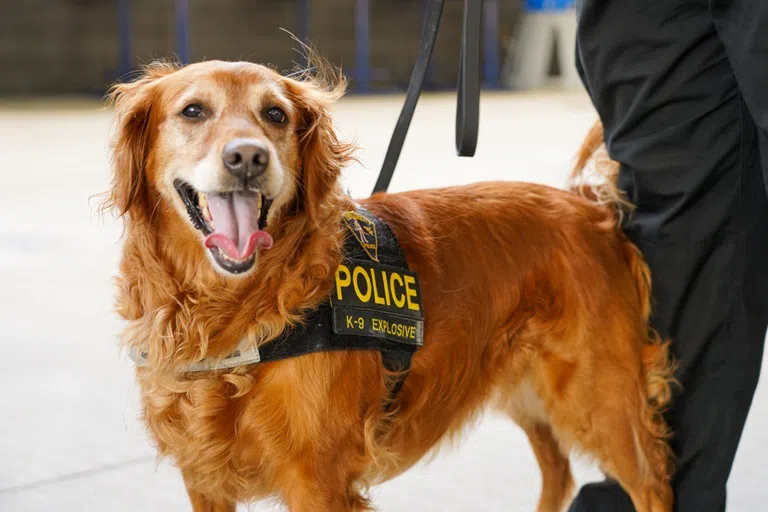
236, 221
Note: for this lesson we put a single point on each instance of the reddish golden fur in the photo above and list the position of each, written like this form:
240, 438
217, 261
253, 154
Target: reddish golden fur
535, 304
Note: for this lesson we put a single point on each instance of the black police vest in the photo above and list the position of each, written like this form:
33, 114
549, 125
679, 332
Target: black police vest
375, 305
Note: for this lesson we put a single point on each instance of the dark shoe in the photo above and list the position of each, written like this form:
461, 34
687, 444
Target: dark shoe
607, 496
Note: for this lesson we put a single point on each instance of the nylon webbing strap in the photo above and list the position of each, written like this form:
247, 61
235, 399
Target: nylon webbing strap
468, 94
468, 103
428, 38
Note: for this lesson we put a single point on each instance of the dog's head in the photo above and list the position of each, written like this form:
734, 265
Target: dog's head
211, 154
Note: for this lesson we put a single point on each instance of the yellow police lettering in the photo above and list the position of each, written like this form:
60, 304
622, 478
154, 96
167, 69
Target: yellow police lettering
376, 298
360, 271
411, 292
386, 286
342, 282
349, 322
396, 277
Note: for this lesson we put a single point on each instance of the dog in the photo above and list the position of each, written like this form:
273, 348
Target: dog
227, 178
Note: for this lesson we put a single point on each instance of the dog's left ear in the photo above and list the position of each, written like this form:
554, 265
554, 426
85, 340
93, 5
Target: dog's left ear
133, 102
322, 154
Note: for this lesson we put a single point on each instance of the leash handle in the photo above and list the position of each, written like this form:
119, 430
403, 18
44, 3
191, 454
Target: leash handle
468, 89
416, 84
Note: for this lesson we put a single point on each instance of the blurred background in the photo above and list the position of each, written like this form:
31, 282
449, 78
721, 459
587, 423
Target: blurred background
70, 434
79, 47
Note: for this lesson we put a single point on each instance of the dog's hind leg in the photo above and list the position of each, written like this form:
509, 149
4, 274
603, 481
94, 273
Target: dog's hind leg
629, 452
556, 480
621, 430
521, 401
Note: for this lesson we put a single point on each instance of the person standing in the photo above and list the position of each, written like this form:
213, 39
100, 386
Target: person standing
681, 88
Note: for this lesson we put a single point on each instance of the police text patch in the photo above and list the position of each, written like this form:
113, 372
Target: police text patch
371, 299
367, 322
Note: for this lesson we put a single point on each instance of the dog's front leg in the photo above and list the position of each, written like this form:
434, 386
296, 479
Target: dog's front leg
316, 500
201, 503
327, 491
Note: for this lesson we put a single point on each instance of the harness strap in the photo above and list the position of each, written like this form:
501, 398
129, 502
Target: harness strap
468, 88
316, 335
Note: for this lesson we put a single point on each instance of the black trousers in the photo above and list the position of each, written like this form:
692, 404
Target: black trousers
682, 89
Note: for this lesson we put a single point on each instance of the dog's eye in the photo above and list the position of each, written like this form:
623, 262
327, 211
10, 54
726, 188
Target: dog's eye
192, 111
277, 115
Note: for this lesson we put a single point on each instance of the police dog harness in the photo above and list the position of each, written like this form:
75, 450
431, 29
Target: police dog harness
375, 305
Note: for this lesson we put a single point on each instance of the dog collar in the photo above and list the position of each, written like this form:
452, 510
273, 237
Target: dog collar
375, 305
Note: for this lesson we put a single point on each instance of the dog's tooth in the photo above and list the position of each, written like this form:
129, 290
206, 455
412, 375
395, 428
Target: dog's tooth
202, 200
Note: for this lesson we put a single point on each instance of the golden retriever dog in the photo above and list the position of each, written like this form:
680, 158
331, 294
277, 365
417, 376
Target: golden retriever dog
227, 177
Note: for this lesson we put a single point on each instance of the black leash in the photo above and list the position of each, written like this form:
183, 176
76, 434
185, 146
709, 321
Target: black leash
468, 88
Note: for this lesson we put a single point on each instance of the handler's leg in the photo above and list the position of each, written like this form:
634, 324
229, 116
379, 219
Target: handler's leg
743, 27
660, 78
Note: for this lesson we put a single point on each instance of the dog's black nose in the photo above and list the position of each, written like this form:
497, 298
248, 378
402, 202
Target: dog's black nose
246, 159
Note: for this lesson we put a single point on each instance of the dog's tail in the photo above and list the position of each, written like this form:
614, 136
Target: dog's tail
657, 363
595, 175
658, 372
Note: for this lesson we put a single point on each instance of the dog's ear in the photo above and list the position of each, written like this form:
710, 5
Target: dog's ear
322, 154
133, 103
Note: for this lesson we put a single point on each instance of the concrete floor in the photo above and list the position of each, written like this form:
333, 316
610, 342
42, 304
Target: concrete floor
69, 436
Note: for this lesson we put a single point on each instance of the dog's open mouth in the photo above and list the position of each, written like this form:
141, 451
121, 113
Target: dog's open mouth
232, 223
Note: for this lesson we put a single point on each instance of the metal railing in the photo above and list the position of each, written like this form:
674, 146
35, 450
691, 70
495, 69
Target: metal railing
362, 71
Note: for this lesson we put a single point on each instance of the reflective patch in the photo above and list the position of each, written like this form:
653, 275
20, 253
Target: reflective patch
364, 231
245, 353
